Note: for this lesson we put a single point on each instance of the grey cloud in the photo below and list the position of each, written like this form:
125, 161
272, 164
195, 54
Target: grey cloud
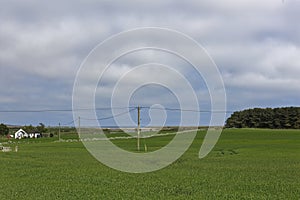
255, 44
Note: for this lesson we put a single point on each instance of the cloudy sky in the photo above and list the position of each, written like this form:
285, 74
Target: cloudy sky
255, 44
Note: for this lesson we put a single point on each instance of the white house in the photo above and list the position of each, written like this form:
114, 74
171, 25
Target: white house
22, 134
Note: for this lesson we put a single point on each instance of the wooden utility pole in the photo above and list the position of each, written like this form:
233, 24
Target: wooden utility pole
79, 126
58, 131
139, 127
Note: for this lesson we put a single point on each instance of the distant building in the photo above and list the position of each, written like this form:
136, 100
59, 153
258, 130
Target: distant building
22, 134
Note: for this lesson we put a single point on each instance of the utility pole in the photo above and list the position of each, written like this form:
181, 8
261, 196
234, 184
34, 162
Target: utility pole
79, 126
59, 131
139, 127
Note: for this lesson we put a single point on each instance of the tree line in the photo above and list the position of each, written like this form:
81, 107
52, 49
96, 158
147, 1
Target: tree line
273, 118
41, 128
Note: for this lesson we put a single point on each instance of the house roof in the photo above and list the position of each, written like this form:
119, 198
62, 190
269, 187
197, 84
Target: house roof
20, 130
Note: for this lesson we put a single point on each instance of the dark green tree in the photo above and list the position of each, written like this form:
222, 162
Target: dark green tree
288, 117
41, 128
29, 129
4, 130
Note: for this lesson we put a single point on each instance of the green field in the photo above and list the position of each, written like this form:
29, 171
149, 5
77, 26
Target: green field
245, 164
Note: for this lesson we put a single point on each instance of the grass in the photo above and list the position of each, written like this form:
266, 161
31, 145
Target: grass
245, 164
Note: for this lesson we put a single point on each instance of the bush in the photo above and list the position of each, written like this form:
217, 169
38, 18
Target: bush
4, 130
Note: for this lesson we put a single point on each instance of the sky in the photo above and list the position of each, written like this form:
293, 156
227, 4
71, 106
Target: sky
255, 45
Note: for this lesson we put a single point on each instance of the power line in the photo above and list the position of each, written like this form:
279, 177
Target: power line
113, 108
60, 110
71, 122
112, 116
190, 110
99, 119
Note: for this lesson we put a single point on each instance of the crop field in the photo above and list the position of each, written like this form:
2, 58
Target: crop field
245, 164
